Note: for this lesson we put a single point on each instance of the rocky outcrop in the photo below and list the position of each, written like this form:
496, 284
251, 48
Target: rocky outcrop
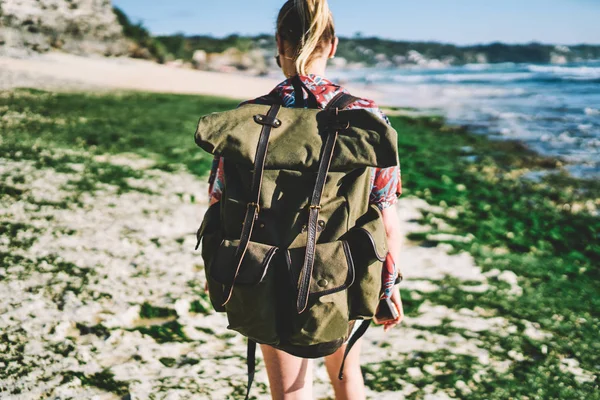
75, 26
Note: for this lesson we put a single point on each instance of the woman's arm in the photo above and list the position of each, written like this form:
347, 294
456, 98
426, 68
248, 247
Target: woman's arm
394, 239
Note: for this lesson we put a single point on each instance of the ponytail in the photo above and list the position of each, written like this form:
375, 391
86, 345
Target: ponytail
307, 25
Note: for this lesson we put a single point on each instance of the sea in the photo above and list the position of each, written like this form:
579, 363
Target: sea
554, 109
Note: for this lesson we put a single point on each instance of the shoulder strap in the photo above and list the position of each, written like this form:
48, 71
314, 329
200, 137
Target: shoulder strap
273, 98
341, 99
298, 86
268, 122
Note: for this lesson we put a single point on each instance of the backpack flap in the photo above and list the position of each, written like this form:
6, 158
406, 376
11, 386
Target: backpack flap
254, 266
296, 143
333, 269
368, 141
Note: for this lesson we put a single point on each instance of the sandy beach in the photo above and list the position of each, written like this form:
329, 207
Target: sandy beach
60, 71
113, 252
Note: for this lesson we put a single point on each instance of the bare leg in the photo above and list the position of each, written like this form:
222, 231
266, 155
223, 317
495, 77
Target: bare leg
290, 377
352, 387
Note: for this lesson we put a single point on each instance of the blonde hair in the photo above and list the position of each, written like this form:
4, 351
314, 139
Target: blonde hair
307, 25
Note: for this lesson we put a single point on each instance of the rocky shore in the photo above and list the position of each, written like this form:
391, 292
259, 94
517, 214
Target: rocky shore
78, 27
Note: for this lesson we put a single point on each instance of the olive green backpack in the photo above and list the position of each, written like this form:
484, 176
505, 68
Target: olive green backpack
293, 251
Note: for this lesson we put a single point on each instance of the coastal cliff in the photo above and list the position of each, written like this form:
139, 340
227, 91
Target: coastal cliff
81, 27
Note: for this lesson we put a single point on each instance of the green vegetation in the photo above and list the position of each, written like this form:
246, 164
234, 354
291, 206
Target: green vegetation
156, 126
535, 229
183, 47
365, 49
149, 311
168, 332
96, 330
104, 380
359, 49
148, 47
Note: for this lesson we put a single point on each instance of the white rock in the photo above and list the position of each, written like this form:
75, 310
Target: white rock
415, 372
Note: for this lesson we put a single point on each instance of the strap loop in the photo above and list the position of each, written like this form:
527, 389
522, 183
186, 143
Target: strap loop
266, 120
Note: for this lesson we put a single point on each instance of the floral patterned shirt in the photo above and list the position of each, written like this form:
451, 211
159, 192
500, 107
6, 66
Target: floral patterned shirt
386, 184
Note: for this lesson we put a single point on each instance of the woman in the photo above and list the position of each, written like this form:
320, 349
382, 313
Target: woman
306, 40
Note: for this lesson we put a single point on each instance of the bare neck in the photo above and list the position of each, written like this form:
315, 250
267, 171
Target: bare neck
317, 67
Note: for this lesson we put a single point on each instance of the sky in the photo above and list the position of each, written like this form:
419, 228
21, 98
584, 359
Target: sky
450, 21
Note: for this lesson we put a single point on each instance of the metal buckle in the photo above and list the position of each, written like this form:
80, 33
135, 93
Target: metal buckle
254, 205
338, 125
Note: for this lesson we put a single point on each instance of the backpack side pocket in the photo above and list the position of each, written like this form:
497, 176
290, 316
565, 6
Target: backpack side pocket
210, 236
368, 244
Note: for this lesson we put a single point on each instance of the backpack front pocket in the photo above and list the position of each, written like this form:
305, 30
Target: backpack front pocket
251, 310
326, 317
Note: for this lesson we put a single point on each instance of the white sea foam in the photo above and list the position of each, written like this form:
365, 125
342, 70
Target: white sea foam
490, 77
567, 72
478, 67
490, 67
458, 77
591, 111
411, 78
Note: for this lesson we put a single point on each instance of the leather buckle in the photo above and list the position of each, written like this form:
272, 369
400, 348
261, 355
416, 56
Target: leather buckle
266, 120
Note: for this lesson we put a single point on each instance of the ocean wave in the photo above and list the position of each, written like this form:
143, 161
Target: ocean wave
460, 78
485, 78
478, 74
565, 72
490, 77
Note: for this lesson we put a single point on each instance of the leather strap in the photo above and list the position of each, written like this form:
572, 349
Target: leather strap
251, 364
341, 100
253, 207
362, 329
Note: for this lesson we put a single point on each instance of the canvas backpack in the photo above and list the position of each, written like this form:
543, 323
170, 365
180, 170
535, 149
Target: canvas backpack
293, 251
